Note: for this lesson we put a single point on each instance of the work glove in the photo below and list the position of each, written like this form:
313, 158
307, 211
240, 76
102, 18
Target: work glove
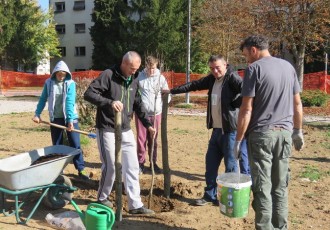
237, 150
297, 139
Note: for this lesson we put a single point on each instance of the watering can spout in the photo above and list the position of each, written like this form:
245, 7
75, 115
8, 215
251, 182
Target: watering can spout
80, 213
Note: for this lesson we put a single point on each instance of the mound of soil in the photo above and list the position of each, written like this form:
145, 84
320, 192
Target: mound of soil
46, 158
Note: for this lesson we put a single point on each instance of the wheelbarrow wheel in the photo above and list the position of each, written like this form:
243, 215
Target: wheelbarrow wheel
54, 198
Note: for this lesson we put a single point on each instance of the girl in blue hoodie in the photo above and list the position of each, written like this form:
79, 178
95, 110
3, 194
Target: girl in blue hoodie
60, 92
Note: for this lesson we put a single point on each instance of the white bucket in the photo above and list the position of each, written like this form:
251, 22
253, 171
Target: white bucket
234, 194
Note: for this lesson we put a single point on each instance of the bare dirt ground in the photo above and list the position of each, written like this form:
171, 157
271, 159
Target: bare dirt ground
309, 202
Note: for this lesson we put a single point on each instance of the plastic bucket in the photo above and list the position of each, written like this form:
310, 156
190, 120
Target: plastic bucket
234, 194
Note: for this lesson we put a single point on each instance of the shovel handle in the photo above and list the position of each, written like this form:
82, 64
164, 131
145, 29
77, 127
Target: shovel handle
64, 127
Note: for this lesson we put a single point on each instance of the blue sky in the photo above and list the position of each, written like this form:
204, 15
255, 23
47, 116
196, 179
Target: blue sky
44, 4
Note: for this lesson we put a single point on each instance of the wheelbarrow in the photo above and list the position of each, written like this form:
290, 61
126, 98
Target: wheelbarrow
20, 178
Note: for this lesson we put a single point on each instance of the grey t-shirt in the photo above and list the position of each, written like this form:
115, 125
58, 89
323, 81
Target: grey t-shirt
58, 107
272, 82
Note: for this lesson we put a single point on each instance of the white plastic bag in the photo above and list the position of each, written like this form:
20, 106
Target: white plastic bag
68, 220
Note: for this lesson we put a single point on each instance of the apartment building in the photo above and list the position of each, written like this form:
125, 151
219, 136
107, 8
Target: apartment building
73, 22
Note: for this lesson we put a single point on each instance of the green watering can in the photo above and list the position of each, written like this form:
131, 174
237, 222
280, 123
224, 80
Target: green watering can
96, 217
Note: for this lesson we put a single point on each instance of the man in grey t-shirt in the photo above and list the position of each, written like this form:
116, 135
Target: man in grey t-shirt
271, 108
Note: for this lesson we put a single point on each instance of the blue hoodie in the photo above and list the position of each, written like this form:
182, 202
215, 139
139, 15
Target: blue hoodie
69, 95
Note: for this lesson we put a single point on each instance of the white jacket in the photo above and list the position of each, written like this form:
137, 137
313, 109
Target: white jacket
148, 87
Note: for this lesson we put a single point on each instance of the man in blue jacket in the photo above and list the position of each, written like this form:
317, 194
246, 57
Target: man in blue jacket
224, 99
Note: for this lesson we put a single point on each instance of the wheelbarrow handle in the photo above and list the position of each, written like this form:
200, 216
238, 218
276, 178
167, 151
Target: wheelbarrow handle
91, 135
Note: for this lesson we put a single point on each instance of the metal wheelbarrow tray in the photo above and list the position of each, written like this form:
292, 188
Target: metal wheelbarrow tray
19, 177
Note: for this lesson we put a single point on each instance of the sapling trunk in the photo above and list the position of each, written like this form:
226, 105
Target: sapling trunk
166, 165
118, 166
151, 157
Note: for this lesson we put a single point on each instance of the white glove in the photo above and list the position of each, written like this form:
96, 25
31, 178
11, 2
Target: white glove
237, 150
297, 139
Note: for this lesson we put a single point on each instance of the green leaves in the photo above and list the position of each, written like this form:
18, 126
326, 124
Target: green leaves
156, 27
33, 36
7, 24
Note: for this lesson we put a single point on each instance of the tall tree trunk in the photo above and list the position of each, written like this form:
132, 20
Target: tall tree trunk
299, 65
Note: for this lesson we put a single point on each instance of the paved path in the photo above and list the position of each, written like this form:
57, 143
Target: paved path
11, 106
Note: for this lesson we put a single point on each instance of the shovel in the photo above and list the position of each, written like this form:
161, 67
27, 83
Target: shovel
90, 135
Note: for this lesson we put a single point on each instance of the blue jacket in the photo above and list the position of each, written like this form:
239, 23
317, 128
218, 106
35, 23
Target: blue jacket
69, 95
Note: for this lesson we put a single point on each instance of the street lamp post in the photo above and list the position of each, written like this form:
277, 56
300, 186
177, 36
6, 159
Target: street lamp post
188, 50
326, 49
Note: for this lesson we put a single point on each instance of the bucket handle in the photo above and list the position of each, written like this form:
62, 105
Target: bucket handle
239, 174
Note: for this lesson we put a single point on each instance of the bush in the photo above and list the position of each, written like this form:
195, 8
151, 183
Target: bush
314, 98
87, 111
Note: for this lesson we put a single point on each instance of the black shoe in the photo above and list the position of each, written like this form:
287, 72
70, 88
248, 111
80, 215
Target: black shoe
141, 168
206, 200
83, 175
141, 210
157, 169
106, 202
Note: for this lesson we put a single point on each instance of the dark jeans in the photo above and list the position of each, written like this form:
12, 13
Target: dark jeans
244, 161
73, 138
221, 146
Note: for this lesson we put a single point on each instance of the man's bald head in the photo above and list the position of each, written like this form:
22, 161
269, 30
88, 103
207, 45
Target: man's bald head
130, 63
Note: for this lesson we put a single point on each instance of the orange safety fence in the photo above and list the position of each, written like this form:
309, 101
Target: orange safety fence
18, 82
317, 80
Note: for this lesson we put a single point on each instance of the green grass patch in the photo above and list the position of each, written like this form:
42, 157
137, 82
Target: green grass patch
314, 98
295, 220
13, 123
184, 106
41, 128
84, 140
180, 131
311, 172
327, 143
21, 98
328, 133
309, 195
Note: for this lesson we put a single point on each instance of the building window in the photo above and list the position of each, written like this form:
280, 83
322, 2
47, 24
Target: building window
62, 51
59, 7
80, 51
79, 5
60, 29
79, 28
